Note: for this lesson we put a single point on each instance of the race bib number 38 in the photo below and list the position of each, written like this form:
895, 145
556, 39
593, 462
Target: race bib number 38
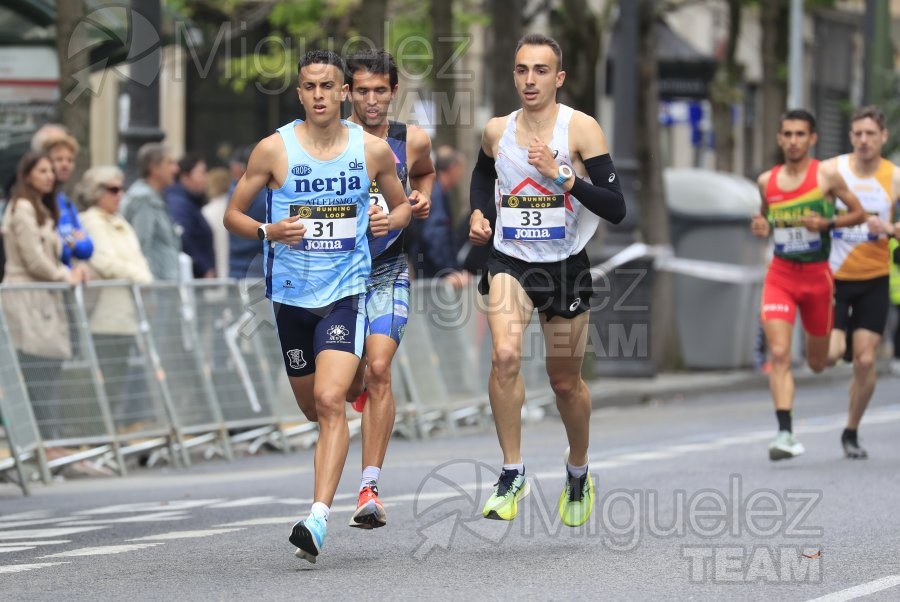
533, 218
329, 228
796, 239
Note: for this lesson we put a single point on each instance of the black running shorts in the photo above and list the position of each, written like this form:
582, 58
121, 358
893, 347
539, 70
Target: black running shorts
862, 304
562, 288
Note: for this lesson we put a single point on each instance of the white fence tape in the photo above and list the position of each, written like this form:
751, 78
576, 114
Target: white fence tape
665, 260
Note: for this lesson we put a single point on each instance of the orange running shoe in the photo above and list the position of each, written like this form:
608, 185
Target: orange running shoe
369, 510
360, 402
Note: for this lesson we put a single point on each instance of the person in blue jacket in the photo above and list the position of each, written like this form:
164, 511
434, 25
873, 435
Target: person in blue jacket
77, 244
186, 198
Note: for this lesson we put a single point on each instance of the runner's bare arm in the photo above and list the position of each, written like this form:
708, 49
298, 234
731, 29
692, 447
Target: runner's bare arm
259, 174
837, 187
421, 171
383, 170
759, 225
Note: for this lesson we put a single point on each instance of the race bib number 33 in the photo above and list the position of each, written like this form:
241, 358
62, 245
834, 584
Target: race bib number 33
329, 228
533, 218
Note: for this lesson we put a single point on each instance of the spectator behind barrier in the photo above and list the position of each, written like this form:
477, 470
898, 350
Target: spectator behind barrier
434, 251
76, 243
186, 198
118, 256
219, 181
147, 212
37, 318
245, 255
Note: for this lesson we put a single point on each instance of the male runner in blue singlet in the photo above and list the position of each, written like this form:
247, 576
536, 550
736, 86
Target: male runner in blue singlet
317, 259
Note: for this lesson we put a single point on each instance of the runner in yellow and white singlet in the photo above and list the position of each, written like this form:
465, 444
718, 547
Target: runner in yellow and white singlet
860, 260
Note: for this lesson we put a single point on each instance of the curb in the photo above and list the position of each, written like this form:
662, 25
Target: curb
607, 392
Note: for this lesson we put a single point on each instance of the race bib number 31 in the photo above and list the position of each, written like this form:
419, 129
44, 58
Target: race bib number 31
329, 228
533, 218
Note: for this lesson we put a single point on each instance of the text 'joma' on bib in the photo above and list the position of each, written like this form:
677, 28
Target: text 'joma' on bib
329, 228
533, 218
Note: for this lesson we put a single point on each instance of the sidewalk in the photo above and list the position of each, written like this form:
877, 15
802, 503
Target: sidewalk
606, 392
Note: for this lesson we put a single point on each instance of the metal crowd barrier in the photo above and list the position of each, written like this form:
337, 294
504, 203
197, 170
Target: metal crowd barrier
159, 371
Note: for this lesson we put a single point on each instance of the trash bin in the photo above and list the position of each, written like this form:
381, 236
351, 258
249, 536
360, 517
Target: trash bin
710, 216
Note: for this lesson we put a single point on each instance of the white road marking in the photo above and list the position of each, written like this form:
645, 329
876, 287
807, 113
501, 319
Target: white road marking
140, 518
166, 506
859, 591
102, 550
5, 550
247, 501
52, 542
42, 533
184, 534
258, 522
27, 515
29, 523
21, 568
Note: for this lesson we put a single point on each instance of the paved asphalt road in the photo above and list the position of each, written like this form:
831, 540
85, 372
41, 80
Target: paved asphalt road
689, 506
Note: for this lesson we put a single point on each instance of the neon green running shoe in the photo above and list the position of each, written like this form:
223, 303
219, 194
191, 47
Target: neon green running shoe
576, 502
509, 489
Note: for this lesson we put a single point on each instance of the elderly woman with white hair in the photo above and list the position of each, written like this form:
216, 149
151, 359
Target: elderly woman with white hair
117, 256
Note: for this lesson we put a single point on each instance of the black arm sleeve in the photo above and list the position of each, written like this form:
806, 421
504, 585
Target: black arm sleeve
603, 197
481, 190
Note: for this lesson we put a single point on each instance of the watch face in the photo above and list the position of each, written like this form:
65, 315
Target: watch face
565, 170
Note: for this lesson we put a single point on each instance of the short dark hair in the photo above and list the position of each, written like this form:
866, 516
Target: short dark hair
799, 115
379, 62
187, 163
870, 112
539, 39
322, 57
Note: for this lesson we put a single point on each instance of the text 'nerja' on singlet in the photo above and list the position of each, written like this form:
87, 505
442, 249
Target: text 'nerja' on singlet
856, 253
332, 199
793, 241
537, 221
386, 247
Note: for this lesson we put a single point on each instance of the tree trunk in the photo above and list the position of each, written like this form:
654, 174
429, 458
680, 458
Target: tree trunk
506, 29
773, 20
370, 19
74, 87
579, 29
725, 92
444, 90
654, 224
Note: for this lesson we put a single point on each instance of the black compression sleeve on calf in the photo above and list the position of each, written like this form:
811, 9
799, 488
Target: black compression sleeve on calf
603, 197
481, 190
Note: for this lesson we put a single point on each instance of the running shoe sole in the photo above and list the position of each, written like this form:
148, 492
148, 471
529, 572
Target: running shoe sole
306, 545
526, 489
776, 454
370, 516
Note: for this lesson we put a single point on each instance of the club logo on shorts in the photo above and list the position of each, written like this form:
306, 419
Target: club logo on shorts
295, 357
337, 333
575, 304
612, 177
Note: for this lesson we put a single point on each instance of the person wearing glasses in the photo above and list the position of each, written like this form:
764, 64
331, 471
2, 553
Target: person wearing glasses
117, 256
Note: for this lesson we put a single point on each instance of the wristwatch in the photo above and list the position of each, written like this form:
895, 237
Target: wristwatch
261, 232
565, 172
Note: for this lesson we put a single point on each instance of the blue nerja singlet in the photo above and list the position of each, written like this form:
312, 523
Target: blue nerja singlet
332, 199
